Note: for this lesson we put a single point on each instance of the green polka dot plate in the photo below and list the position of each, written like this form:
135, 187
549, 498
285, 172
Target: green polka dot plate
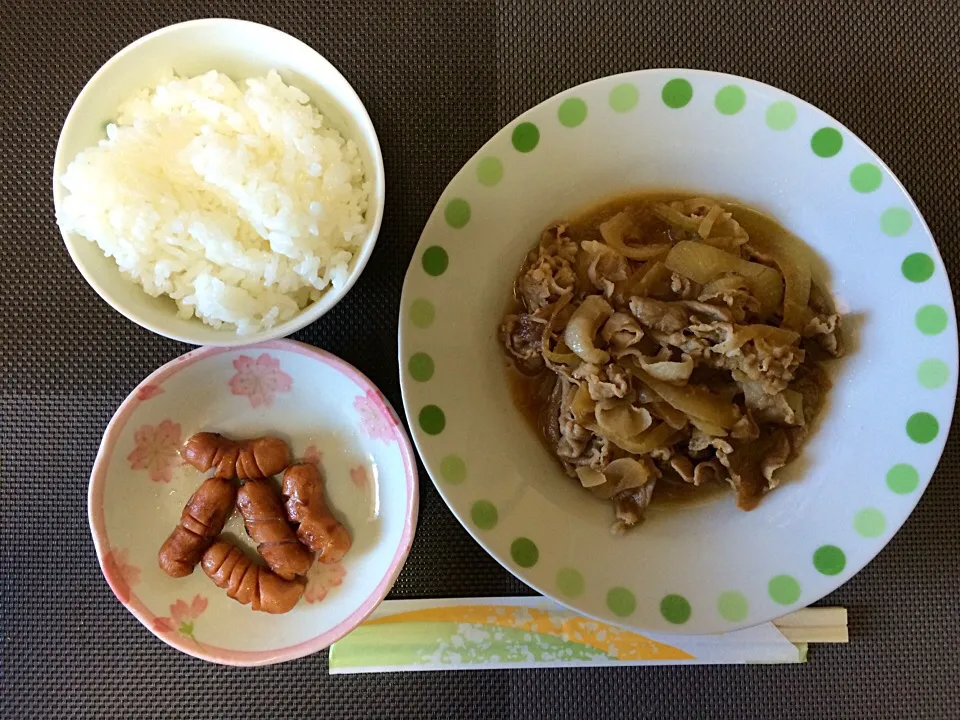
710, 567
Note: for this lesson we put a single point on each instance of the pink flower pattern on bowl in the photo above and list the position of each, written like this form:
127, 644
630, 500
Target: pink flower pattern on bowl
146, 392
313, 456
123, 574
260, 380
182, 616
156, 449
360, 478
375, 418
146, 433
321, 578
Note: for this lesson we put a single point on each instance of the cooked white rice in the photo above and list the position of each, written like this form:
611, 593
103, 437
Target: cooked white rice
240, 203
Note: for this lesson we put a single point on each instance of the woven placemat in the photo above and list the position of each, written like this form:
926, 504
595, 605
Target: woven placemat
438, 79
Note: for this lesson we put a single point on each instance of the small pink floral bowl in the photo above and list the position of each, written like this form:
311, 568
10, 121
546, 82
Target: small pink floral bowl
329, 414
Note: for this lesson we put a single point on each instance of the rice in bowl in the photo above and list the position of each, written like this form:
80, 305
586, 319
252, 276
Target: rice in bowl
239, 202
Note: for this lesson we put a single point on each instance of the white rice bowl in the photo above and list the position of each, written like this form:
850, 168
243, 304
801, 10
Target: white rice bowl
239, 202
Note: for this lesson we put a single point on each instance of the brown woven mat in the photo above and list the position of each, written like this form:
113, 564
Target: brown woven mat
438, 79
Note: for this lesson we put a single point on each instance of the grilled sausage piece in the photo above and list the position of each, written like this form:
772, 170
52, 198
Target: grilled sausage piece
245, 459
266, 524
319, 529
201, 521
248, 583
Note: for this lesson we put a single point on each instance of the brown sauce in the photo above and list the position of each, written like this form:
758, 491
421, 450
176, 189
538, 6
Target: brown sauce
531, 392
527, 392
585, 225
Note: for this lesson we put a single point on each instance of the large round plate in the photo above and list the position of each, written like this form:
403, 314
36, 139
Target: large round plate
329, 414
708, 568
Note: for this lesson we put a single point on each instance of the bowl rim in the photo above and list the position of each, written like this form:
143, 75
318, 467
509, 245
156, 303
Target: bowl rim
407, 386
96, 514
230, 338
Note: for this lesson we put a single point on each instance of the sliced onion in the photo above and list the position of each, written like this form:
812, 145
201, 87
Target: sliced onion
708, 428
583, 326
590, 477
622, 419
671, 416
660, 436
624, 474
614, 232
696, 402
675, 217
792, 257
706, 225
795, 401
646, 442
583, 406
702, 264
656, 274
552, 356
675, 373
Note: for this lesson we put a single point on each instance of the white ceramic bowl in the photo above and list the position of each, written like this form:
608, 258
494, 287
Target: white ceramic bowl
709, 567
240, 49
329, 414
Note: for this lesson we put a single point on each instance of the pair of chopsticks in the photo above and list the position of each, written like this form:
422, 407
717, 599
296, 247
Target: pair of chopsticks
815, 625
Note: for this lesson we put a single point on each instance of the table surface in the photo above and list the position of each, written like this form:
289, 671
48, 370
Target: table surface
438, 79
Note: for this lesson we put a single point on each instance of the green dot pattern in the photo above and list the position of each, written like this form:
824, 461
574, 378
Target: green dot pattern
829, 560
525, 137
677, 93
922, 427
826, 142
730, 100
422, 313
432, 420
903, 479
570, 582
784, 590
621, 601
917, 267
572, 112
457, 213
781, 115
931, 319
484, 514
933, 373
453, 469
869, 523
524, 552
435, 260
895, 221
624, 98
865, 178
489, 171
733, 606
675, 609
420, 366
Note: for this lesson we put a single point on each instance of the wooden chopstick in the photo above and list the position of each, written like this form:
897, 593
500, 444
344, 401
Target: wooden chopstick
814, 617
816, 634
815, 625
